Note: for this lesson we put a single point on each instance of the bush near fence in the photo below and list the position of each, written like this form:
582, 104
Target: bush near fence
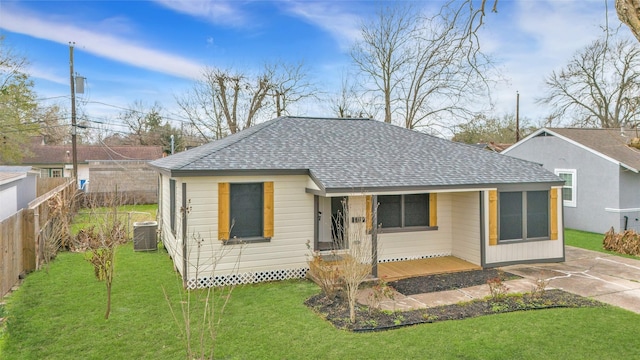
627, 242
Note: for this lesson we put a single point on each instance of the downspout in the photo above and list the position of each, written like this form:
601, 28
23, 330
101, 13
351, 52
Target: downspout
626, 222
183, 209
374, 235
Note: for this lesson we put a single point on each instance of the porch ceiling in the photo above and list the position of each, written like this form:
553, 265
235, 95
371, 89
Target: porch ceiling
397, 270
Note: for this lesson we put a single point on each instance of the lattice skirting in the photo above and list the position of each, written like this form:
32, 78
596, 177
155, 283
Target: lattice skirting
246, 278
275, 275
415, 257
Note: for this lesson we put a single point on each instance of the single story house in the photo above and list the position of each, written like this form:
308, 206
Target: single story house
601, 171
57, 160
273, 188
18, 187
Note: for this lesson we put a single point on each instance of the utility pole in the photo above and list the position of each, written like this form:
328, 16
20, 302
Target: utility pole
73, 114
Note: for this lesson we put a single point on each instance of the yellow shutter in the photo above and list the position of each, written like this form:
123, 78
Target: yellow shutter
268, 210
433, 209
223, 211
493, 217
369, 213
553, 213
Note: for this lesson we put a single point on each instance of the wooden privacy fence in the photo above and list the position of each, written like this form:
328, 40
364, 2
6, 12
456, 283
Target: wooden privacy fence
45, 185
24, 237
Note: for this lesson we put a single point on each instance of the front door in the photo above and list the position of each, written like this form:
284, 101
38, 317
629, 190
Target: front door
330, 224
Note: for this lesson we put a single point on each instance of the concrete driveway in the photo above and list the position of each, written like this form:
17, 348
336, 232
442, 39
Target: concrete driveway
611, 279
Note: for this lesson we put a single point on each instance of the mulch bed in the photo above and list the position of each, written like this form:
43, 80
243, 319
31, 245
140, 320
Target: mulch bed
368, 319
451, 281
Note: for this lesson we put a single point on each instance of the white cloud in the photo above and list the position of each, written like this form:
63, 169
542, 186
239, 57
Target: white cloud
47, 74
534, 38
343, 26
215, 11
97, 43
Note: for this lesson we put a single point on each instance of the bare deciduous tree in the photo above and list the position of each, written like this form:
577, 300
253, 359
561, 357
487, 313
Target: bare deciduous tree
17, 105
202, 310
141, 120
147, 126
599, 86
289, 84
226, 101
347, 103
51, 120
424, 67
483, 129
382, 53
102, 240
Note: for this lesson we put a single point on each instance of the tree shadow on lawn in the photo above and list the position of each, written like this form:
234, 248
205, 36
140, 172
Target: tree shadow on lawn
369, 318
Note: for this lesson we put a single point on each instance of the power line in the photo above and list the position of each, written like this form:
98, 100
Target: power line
53, 97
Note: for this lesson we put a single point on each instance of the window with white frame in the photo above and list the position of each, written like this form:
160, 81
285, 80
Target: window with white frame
569, 191
56, 173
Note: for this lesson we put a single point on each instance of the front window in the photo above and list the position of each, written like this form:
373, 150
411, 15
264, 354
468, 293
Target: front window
569, 188
403, 211
524, 215
56, 173
246, 210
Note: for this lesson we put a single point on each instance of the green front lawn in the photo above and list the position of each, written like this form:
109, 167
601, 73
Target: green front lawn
589, 241
59, 314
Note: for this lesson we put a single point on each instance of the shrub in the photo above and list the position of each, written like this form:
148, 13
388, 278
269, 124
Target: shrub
627, 242
325, 273
497, 287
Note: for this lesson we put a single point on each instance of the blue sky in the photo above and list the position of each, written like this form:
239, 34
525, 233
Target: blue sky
154, 50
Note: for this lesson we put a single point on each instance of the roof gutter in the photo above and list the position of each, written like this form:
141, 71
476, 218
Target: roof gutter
397, 190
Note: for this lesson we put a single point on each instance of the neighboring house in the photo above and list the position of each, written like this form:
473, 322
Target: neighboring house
601, 173
17, 188
275, 186
57, 160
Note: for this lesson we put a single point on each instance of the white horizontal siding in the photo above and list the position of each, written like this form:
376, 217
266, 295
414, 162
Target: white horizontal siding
524, 251
293, 227
466, 226
411, 245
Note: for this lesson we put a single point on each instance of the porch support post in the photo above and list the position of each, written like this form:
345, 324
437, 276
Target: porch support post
374, 235
183, 211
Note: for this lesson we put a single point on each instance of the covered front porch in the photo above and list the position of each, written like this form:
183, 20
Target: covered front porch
392, 271
398, 270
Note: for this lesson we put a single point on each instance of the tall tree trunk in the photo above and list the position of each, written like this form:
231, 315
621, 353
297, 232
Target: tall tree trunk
106, 315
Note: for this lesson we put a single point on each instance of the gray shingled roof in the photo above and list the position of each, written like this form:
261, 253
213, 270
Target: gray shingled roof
609, 142
354, 154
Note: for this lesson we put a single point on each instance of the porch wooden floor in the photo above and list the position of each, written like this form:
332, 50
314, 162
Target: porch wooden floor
397, 270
